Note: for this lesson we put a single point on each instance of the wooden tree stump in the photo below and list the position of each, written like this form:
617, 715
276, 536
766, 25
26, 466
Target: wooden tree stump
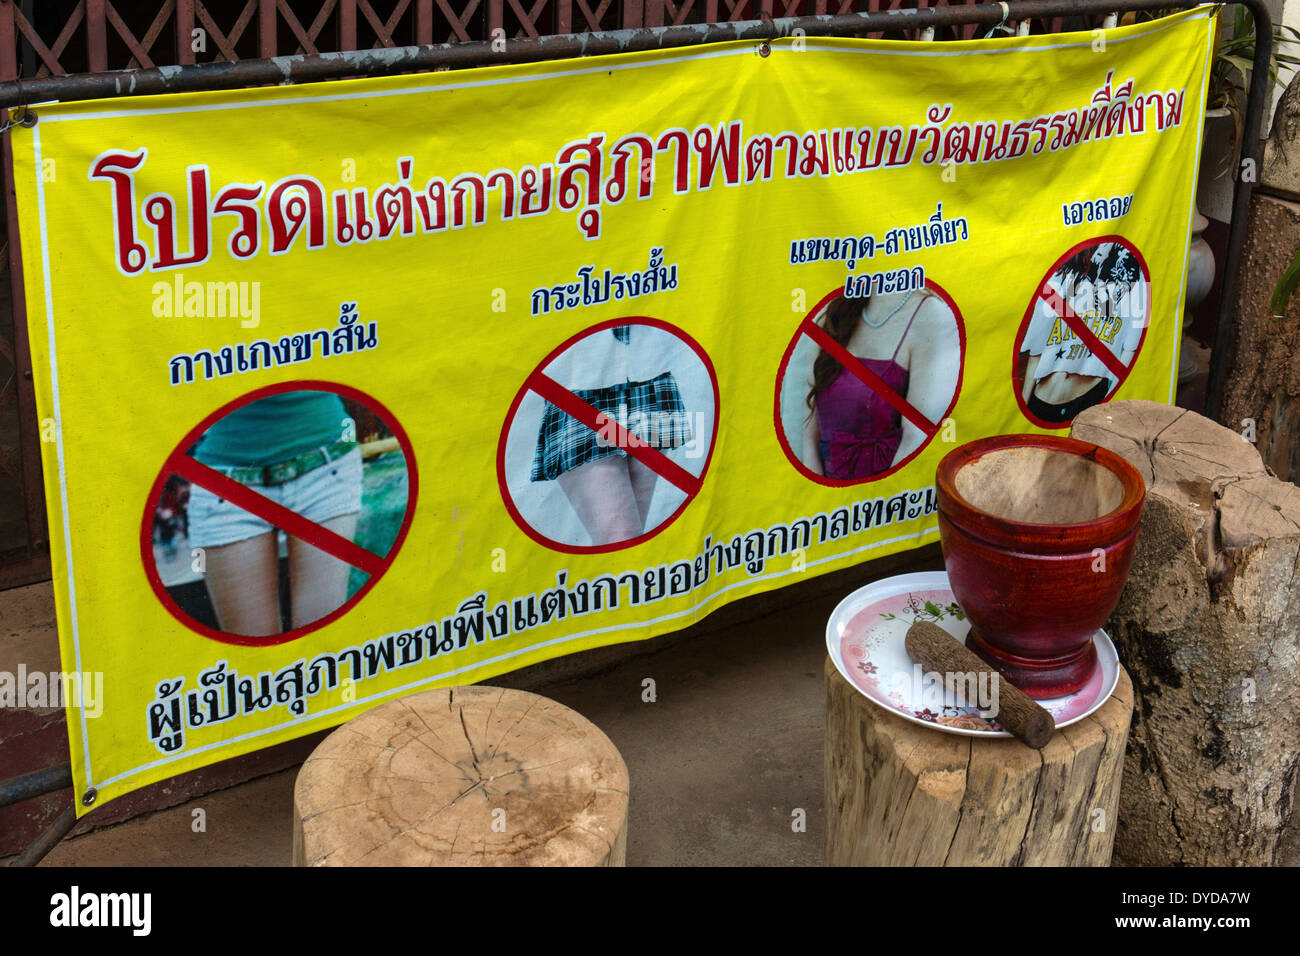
1263, 376
1262, 386
463, 776
898, 794
1208, 626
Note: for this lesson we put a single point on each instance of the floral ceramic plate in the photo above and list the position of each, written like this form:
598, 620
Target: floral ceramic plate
865, 637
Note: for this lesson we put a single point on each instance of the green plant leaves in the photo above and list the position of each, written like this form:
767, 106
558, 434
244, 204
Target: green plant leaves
1286, 286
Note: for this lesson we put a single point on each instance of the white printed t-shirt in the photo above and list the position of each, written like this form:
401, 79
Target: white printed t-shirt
1117, 319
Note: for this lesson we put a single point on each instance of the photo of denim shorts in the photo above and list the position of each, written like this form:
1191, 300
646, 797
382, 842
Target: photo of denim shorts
326, 492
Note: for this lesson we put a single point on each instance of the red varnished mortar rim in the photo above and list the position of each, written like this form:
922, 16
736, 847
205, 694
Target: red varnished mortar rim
1032, 536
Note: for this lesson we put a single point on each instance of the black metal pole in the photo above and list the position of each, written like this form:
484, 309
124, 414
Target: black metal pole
35, 784
1248, 168
48, 840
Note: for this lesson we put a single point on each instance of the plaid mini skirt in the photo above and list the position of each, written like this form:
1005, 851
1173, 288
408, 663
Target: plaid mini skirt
653, 411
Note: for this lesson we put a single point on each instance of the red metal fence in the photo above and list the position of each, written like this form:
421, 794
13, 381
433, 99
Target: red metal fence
42, 37
51, 37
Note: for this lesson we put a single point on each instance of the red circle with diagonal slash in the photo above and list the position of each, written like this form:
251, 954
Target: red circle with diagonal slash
566, 401
181, 464
1081, 331
815, 332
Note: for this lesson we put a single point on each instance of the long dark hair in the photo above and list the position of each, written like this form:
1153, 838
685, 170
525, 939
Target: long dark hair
1117, 266
842, 318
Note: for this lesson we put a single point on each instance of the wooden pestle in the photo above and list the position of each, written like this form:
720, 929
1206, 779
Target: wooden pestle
936, 650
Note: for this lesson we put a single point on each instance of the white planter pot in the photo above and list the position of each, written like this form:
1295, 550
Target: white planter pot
1215, 184
1214, 192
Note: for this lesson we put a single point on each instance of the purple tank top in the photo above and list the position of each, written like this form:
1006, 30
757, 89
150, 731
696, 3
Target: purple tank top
860, 431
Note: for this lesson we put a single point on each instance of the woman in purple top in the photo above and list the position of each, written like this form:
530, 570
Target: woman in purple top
909, 341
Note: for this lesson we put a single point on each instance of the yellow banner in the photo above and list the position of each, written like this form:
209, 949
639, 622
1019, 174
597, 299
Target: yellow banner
358, 388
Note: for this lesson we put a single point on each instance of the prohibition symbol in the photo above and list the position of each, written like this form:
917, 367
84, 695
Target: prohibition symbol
610, 437
278, 512
867, 382
1082, 331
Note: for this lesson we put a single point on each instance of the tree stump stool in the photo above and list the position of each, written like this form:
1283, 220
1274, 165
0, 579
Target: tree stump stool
463, 776
898, 794
1209, 626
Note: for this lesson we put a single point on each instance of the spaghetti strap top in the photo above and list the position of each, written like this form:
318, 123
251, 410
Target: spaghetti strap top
860, 430
907, 329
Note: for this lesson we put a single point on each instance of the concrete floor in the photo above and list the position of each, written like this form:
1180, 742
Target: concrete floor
719, 763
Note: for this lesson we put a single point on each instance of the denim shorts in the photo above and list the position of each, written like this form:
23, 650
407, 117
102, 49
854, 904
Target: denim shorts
326, 492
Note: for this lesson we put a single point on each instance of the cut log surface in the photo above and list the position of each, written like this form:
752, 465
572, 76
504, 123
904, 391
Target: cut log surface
899, 794
463, 776
1208, 626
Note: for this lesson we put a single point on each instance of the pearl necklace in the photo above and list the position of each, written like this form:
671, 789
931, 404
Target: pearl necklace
898, 308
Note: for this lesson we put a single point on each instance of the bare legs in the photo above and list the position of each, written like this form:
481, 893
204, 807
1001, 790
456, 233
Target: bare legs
611, 496
318, 582
243, 583
643, 486
243, 580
